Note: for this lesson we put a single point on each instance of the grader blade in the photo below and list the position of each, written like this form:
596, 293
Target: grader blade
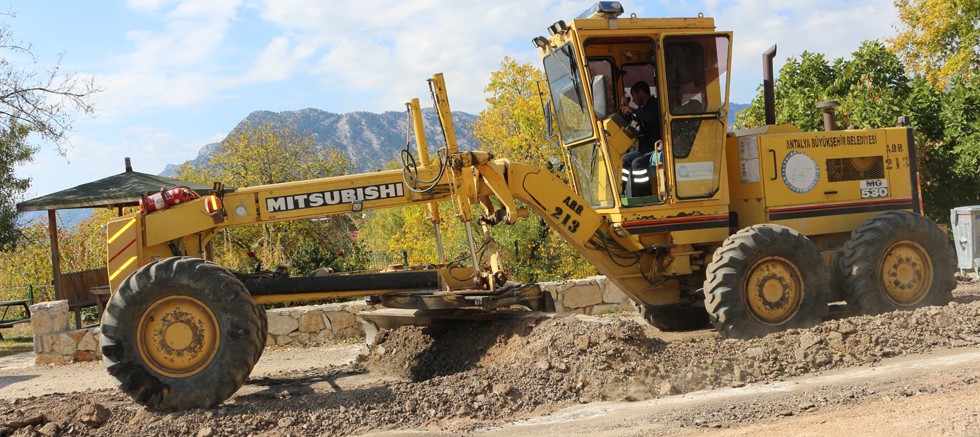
384, 319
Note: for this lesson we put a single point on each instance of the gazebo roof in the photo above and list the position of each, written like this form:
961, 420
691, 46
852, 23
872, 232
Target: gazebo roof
123, 189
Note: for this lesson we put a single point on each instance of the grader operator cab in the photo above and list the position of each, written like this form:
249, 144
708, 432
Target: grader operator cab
757, 229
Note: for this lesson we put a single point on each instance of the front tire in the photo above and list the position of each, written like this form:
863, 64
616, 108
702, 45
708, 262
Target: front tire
897, 261
182, 333
764, 279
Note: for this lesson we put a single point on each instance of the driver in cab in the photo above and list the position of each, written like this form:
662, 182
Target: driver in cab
636, 164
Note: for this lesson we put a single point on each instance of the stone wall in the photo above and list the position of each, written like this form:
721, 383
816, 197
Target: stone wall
314, 324
54, 342
594, 296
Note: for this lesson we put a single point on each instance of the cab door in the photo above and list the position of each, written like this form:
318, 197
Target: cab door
694, 104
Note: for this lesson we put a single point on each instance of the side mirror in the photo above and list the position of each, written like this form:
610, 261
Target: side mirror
599, 96
546, 110
547, 120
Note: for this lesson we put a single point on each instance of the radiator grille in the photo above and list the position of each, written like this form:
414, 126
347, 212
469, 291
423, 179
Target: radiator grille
855, 169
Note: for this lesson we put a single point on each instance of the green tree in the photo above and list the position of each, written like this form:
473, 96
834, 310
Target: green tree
513, 127
871, 87
29, 264
938, 38
82, 244
34, 99
266, 154
954, 162
14, 150
938, 42
802, 83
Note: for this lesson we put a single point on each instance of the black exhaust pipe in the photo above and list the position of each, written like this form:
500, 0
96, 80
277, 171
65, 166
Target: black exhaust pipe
768, 86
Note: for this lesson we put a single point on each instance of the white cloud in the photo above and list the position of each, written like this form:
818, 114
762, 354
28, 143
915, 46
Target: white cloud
137, 90
171, 65
146, 5
388, 48
86, 159
278, 61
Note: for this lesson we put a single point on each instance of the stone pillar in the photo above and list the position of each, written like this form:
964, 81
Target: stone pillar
48, 318
54, 343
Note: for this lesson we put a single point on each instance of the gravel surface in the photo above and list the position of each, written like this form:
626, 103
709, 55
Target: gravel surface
465, 377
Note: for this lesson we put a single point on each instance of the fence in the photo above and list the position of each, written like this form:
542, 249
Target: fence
75, 286
75, 289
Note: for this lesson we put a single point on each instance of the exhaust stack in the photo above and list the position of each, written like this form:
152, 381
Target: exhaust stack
768, 86
829, 114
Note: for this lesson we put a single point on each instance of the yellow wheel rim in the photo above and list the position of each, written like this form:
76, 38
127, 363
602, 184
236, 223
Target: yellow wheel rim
773, 290
906, 273
178, 336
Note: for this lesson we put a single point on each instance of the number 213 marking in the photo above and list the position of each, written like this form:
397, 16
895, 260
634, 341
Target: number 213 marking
565, 219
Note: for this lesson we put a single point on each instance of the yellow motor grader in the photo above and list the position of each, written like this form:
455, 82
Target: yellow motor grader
757, 230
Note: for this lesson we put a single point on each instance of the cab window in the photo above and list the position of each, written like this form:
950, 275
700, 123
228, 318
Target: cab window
696, 73
633, 73
568, 95
696, 79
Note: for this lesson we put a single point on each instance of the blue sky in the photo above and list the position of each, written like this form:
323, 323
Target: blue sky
179, 74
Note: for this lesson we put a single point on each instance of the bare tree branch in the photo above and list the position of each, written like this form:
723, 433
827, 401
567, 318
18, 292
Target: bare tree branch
33, 99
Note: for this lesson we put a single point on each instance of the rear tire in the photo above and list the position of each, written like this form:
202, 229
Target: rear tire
764, 279
897, 260
182, 333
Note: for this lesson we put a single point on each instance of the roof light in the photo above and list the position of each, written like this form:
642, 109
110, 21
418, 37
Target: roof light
540, 42
558, 27
607, 10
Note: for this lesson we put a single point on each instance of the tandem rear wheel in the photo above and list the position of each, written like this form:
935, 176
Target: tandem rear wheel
182, 333
897, 260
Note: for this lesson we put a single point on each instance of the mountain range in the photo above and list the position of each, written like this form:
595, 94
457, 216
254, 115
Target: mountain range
369, 139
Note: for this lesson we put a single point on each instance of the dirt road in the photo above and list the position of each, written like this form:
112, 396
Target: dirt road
900, 373
933, 394
20, 378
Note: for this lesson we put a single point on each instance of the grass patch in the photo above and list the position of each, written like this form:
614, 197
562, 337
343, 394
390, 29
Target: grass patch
17, 339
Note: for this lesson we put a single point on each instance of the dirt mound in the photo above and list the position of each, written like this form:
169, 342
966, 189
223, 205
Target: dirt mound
416, 353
